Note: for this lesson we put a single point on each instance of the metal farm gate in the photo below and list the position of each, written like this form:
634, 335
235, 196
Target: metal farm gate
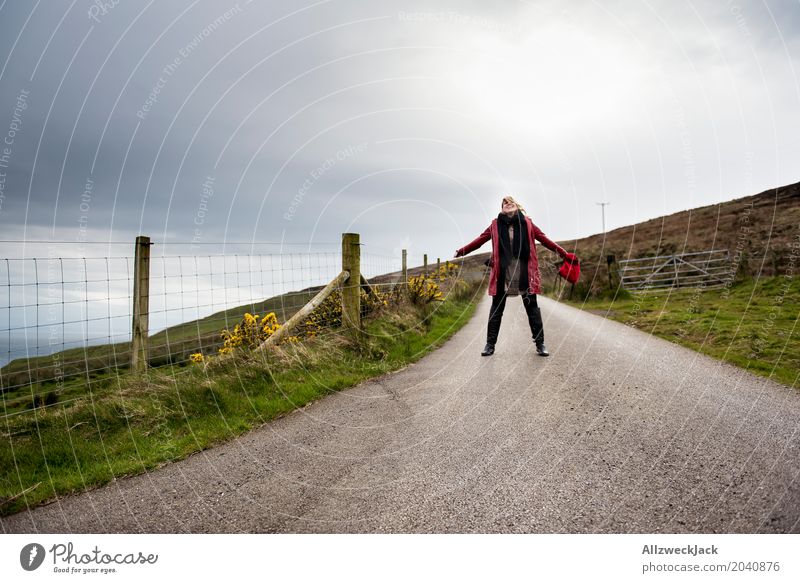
700, 269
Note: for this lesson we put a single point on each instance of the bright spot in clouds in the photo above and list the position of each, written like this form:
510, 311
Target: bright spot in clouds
552, 80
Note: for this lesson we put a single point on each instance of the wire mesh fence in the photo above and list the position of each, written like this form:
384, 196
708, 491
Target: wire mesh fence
67, 320
54, 304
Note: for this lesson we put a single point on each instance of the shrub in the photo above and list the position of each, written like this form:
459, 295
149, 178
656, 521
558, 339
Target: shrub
423, 290
461, 290
249, 333
446, 271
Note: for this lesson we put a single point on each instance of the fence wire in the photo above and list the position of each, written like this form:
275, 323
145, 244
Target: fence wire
67, 320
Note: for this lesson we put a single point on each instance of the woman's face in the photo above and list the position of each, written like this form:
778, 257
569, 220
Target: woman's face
509, 208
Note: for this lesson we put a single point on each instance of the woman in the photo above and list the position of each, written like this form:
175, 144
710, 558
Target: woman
515, 269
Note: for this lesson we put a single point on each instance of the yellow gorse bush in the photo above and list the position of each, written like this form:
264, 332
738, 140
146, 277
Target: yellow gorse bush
252, 330
249, 333
423, 290
445, 271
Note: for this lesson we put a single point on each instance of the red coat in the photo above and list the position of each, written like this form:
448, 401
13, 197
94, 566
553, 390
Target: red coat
534, 234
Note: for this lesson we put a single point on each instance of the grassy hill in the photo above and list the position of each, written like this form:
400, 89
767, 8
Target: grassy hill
758, 230
751, 322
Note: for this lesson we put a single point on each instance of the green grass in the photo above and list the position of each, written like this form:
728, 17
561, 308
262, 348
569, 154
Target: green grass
753, 324
33, 379
130, 424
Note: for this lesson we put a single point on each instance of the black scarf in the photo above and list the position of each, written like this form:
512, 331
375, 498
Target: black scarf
520, 248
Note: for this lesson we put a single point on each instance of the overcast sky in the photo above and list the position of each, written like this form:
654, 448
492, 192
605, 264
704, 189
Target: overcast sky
403, 121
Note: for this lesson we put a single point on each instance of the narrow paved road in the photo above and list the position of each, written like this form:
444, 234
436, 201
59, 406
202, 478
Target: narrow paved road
616, 432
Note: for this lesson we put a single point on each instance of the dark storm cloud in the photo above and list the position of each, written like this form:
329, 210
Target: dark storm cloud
275, 121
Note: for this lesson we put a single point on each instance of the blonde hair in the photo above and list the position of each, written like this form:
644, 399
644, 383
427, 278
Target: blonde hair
511, 199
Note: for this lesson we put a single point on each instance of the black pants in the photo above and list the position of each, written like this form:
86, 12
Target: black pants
531, 308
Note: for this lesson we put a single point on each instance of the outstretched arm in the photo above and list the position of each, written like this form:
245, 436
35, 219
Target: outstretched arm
541, 237
470, 247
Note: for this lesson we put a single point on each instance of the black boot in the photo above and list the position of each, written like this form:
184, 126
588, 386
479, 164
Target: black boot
536, 324
534, 318
495, 318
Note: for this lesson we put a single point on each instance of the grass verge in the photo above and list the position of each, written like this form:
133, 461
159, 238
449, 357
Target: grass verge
128, 425
30, 381
753, 324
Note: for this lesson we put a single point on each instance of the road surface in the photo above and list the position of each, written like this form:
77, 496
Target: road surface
616, 432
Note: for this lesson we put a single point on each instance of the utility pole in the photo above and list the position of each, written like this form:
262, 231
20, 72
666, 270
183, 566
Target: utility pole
603, 208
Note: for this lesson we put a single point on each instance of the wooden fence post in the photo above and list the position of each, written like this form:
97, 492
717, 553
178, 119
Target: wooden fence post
351, 289
425, 264
141, 305
405, 267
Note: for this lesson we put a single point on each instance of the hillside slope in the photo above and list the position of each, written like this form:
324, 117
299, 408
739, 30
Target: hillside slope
758, 230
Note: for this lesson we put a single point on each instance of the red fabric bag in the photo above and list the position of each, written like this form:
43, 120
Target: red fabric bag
571, 268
